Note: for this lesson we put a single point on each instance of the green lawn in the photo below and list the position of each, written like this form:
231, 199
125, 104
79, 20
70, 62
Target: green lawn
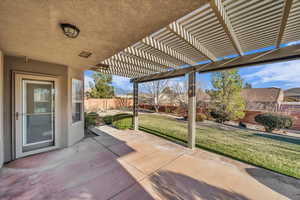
273, 152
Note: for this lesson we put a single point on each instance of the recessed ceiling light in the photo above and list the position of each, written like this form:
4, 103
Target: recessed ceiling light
85, 54
70, 30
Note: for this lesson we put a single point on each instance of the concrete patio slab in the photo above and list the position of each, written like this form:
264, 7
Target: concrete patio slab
126, 165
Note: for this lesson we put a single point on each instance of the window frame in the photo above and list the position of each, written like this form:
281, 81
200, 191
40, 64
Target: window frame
75, 100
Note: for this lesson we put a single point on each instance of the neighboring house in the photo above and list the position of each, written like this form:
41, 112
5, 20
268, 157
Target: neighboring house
263, 99
292, 95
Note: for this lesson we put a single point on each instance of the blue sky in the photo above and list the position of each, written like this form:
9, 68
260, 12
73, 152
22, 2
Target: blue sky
281, 75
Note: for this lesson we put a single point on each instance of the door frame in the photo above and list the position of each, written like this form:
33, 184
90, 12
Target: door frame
17, 103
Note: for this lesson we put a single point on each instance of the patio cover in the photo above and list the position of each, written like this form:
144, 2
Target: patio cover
220, 34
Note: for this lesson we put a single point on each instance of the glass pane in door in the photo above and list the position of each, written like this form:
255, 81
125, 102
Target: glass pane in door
38, 113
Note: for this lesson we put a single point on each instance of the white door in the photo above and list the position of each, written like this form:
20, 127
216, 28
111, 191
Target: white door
35, 116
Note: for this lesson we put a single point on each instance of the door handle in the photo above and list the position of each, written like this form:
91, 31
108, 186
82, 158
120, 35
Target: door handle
17, 115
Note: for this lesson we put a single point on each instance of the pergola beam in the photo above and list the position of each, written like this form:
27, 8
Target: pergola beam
284, 19
187, 37
271, 56
168, 51
192, 110
223, 18
135, 121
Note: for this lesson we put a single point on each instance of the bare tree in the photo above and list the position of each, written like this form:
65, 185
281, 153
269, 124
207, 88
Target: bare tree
180, 90
123, 99
181, 93
154, 92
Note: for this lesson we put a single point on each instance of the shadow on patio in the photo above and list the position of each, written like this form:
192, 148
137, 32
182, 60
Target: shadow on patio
284, 185
170, 185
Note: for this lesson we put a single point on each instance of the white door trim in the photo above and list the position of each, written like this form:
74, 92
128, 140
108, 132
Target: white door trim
18, 108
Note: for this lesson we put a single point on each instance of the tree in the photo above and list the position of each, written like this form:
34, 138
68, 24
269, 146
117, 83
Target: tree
227, 102
248, 85
123, 98
180, 90
180, 94
101, 88
155, 90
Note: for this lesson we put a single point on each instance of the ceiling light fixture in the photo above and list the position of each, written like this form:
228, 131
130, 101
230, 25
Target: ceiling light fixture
70, 30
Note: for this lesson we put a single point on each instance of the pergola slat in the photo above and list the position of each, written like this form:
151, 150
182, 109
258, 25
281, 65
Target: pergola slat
168, 51
181, 32
138, 62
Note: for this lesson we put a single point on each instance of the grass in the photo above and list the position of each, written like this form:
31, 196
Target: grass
273, 152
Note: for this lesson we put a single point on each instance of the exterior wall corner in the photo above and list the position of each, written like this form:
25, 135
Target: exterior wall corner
1, 109
75, 130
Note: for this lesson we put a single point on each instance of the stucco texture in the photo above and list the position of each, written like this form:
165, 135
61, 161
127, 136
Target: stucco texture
31, 28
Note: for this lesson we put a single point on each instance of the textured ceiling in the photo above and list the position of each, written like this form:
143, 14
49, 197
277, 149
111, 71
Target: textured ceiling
30, 27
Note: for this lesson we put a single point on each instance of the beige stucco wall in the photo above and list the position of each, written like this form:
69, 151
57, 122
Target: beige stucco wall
11, 64
76, 130
1, 110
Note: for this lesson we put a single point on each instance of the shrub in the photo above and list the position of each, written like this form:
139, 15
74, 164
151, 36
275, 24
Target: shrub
122, 121
274, 121
220, 116
107, 119
90, 119
200, 117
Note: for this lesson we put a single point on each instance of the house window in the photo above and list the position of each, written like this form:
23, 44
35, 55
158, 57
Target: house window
77, 100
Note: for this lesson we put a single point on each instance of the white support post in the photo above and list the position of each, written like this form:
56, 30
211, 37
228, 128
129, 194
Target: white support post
135, 120
192, 110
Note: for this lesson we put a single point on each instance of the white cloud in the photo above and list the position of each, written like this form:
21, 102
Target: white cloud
293, 43
287, 73
122, 83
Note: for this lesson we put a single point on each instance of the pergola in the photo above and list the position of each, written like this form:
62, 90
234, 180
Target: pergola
222, 34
